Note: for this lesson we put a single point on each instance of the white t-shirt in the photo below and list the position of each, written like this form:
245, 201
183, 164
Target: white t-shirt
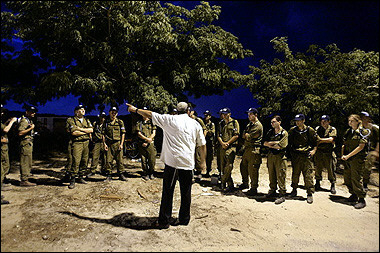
181, 135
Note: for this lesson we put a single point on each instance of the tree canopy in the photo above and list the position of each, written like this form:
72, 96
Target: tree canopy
320, 81
110, 51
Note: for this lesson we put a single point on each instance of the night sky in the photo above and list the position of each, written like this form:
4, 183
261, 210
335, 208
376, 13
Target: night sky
349, 24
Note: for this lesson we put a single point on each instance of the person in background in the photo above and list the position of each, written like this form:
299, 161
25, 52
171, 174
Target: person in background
324, 157
302, 145
181, 136
373, 141
354, 153
277, 140
210, 136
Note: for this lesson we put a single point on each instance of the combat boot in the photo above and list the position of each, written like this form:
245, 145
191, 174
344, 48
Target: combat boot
353, 198
361, 203
317, 185
72, 183
333, 191
279, 200
309, 199
293, 193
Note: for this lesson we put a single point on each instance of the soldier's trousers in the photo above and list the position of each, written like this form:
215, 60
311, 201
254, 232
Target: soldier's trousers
301, 163
277, 172
69, 155
80, 156
368, 164
250, 165
26, 159
209, 156
148, 158
198, 159
97, 154
353, 173
5, 165
227, 158
114, 153
324, 161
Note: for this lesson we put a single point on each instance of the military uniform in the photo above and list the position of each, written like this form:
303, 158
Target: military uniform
276, 161
251, 159
148, 153
113, 132
197, 151
80, 148
5, 165
373, 139
227, 156
69, 147
301, 142
324, 157
98, 152
26, 148
354, 166
210, 136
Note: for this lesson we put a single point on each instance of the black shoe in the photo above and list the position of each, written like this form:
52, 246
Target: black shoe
122, 177
309, 199
353, 198
65, 179
177, 222
279, 200
82, 181
332, 189
243, 186
365, 186
361, 204
293, 193
72, 184
108, 179
271, 194
251, 192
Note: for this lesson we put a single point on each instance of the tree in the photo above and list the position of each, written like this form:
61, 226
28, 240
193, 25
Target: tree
107, 52
320, 81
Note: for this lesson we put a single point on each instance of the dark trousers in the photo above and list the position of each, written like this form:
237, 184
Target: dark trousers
171, 175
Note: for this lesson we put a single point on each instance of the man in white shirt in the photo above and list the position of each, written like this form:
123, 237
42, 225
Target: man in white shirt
182, 135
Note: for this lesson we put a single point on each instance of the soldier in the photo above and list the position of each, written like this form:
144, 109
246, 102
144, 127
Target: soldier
302, 146
354, 153
228, 135
217, 145
324, 157
5, 165
372, 142
146, 131
98, 150
210, 135
113, 141
276, 140
26, 133
80, 129
198, 169
251, 159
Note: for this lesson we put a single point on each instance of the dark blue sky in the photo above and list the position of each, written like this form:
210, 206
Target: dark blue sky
349, 24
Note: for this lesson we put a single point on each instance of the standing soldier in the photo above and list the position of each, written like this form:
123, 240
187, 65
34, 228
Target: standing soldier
26, 133
324, 157
373, 140
113, 141
198, 169
210, 135
251, 159
217, 144
98, 150
354, 153
302, 145
228, 135
276, 140
80, 129
5, 165
146, 131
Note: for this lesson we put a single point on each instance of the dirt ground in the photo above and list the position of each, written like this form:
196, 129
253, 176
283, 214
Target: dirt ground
115, 216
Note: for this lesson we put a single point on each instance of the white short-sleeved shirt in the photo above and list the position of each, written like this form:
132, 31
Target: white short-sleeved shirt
181, 135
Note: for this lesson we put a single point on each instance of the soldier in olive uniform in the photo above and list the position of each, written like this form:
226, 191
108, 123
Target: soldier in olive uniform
217, 144
146, 131
373, 141
324, 157
198, 169
302, 145
113, 141
98, 150
276, 140
210, 135
26, 134
354, 152
251, 159
80, 129
5, 165
228, 135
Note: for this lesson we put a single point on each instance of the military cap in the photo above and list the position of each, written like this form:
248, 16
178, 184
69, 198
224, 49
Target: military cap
31, 108
114, 108
102, 114
252, 110
79, 107
225, 110
325, 117
207, 112
299, 117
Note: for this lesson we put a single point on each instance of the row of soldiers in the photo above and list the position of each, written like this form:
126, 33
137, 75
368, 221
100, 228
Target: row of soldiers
306, 148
